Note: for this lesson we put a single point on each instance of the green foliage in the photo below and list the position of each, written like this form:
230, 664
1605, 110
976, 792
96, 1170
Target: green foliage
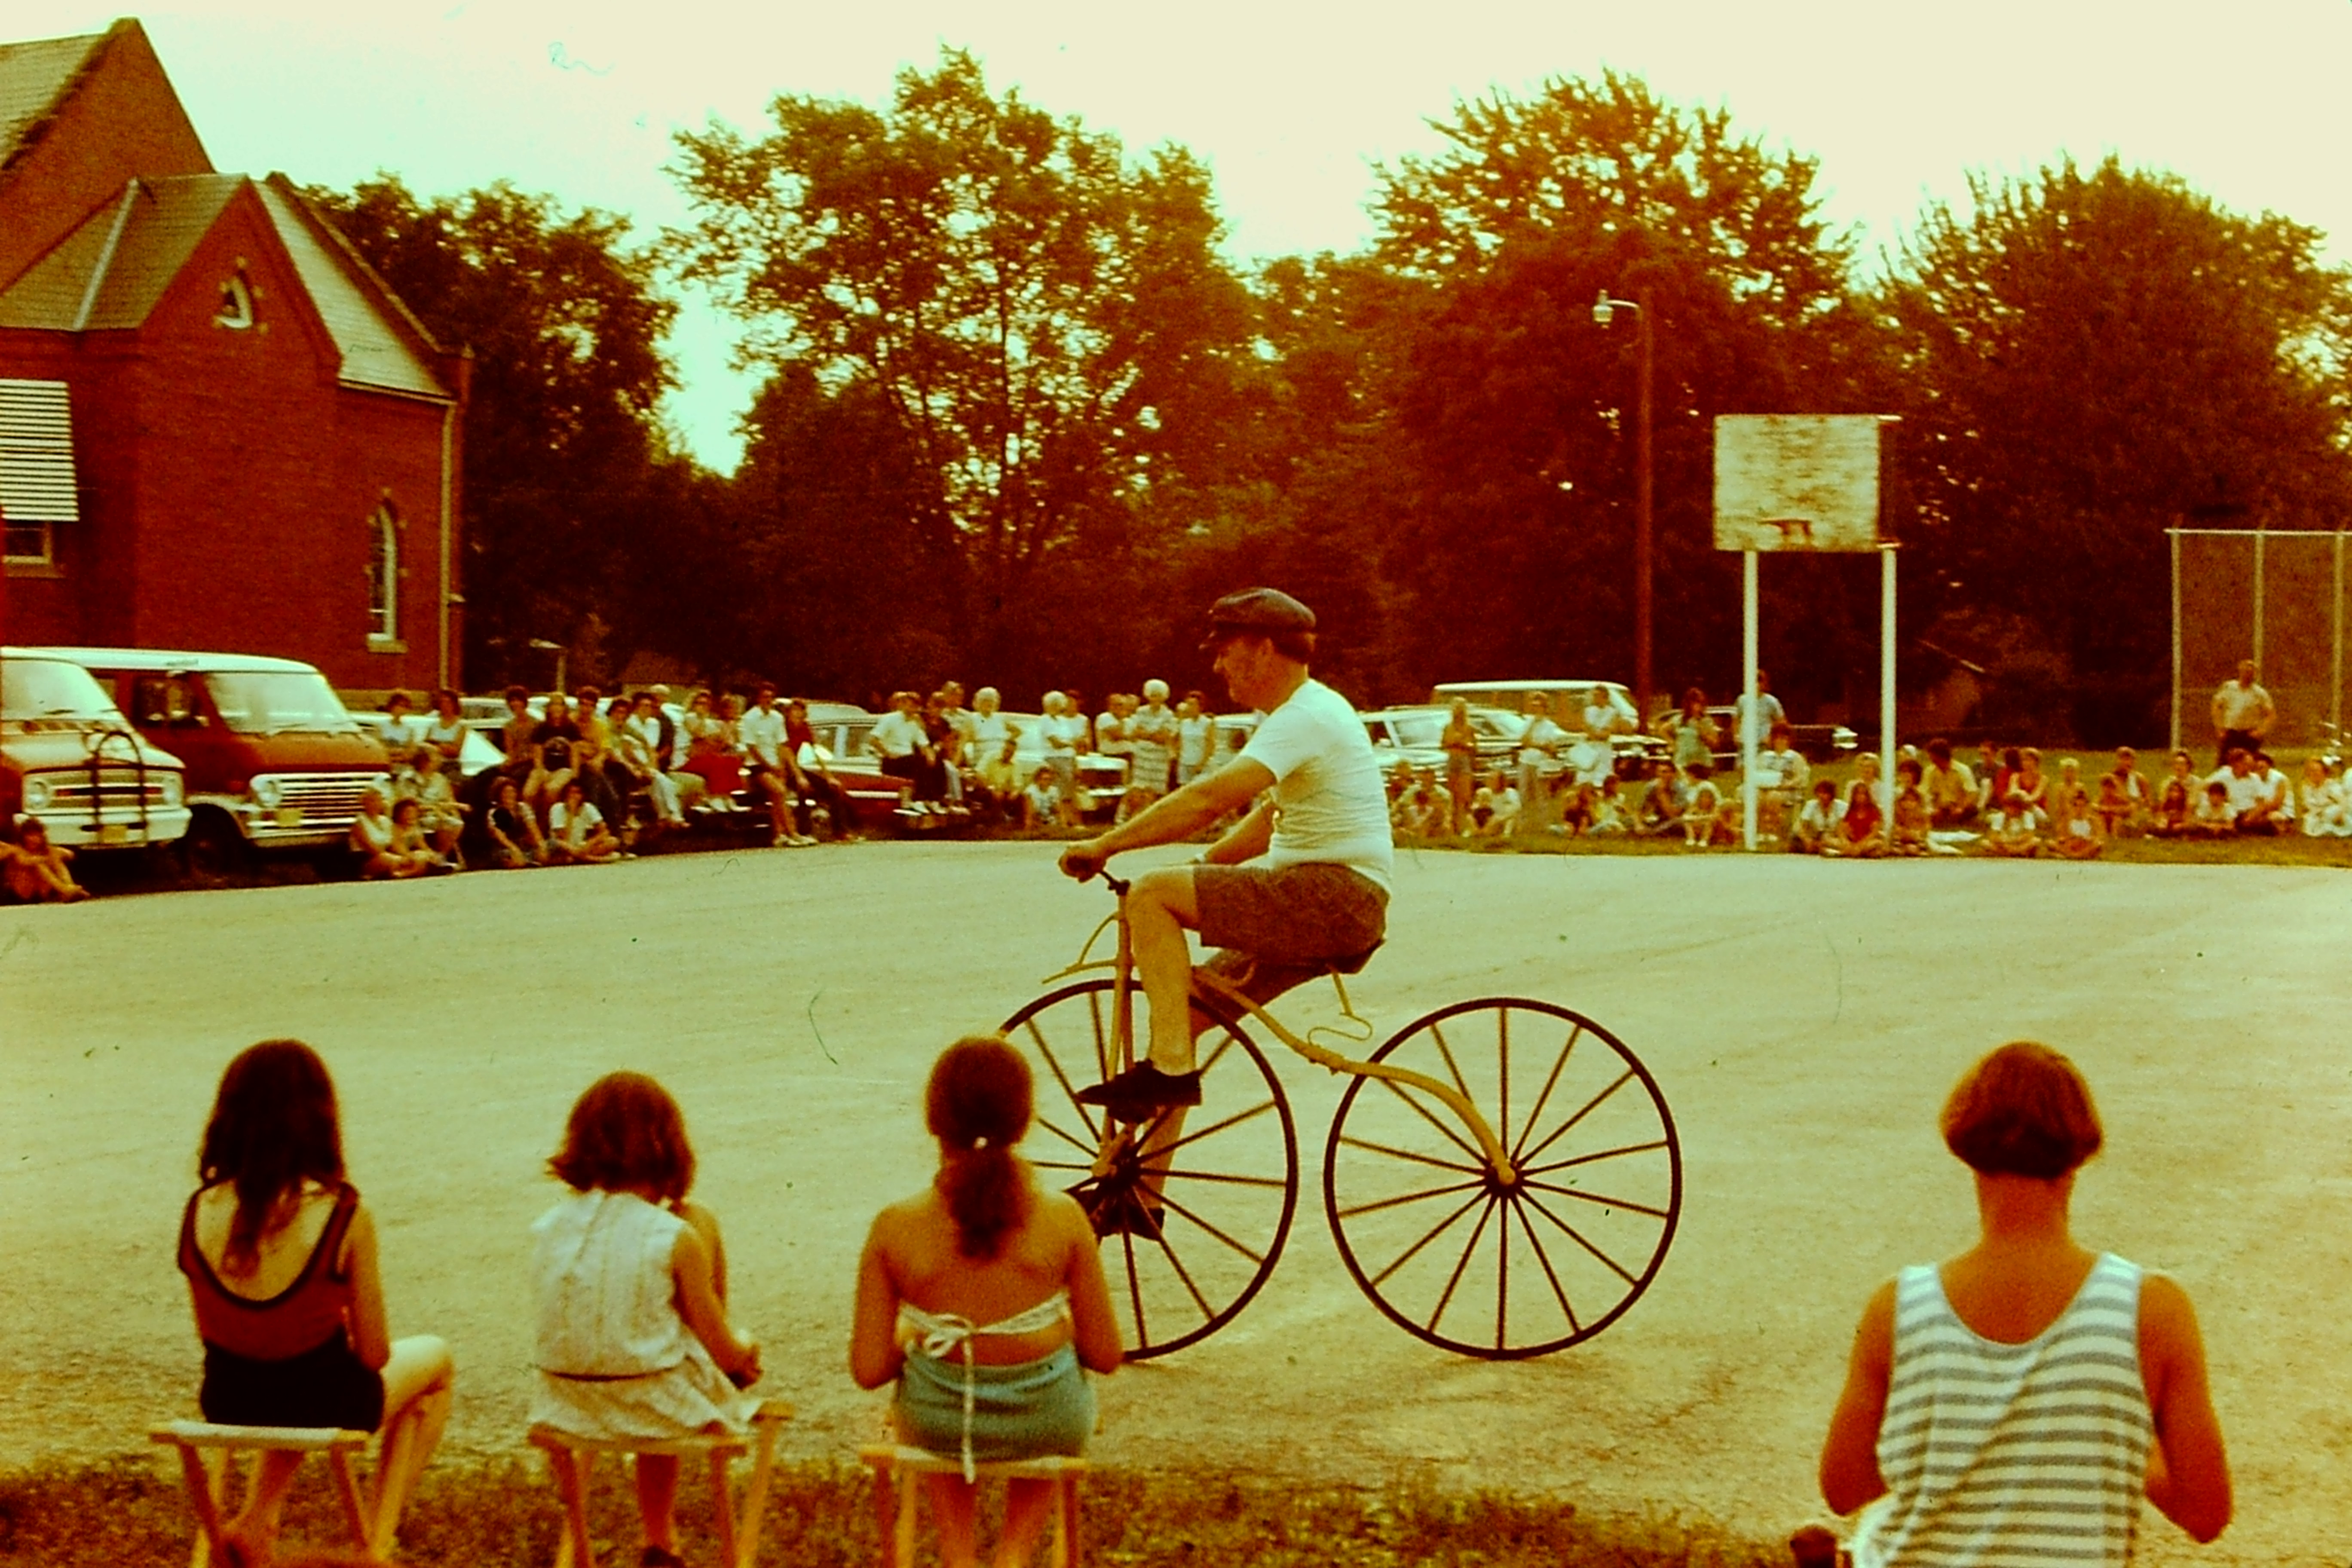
1045, 322
2091, 358
561, 446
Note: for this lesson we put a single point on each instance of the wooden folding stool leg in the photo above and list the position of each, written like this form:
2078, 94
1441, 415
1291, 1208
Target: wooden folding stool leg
899, 1470
207, 1463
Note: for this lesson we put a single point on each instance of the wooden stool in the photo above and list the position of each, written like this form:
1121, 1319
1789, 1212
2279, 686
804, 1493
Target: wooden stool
894, 1506
572, 1459
208, 1455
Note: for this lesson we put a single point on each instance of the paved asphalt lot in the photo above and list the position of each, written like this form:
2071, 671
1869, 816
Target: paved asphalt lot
1804, 1018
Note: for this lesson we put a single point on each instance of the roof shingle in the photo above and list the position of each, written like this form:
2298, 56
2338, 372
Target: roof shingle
33, 78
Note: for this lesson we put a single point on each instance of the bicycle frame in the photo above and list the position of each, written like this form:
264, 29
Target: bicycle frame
1216, 987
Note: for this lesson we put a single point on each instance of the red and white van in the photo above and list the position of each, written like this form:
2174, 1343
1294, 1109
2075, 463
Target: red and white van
274, 761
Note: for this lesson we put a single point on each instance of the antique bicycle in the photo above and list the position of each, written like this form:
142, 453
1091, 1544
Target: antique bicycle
1502, 1176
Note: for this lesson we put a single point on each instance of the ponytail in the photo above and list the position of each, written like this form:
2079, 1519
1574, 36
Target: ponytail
978, 1106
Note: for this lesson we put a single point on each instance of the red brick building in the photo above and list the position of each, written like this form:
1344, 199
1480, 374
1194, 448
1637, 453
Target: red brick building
218, 428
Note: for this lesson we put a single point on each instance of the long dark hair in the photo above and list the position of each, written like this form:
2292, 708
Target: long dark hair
978, 1107
273, 1127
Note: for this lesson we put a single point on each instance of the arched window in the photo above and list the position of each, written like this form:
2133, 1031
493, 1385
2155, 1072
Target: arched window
236, 302
383, 575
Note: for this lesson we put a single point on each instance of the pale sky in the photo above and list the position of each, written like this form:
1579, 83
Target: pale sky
1290, 104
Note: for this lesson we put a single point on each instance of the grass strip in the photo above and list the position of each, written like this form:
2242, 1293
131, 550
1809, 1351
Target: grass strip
130, 1514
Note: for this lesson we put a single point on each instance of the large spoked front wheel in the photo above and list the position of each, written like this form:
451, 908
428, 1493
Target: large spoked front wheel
1460, 1257
1192, 1209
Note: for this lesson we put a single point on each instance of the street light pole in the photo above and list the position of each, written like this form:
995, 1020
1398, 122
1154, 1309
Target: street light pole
1603, 309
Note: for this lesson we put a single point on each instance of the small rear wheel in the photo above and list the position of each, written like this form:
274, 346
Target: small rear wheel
1502, 1269
1192, 1209
214, 852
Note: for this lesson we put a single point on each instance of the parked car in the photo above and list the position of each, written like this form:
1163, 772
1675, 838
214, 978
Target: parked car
1102, 780
70, 761
273, 762
1637, 751
479, 750
1404, 739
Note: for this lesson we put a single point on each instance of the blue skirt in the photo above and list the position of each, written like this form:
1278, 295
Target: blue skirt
1019, 1412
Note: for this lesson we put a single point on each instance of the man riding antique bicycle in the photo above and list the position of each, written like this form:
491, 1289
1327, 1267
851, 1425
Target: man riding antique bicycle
1501, 1176
1298, 888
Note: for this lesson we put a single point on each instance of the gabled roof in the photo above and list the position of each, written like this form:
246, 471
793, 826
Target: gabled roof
109, 274
358, 310
33, 77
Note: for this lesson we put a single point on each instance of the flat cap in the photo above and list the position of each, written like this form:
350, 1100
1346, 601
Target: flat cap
1258, 610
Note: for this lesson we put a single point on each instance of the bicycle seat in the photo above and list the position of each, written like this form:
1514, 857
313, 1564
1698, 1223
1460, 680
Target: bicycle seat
1354, 960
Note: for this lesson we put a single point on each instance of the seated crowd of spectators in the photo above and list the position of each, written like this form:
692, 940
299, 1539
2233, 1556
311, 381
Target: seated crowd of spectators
585, 779
2006, 805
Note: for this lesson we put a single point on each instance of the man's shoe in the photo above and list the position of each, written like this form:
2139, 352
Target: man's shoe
1142, 1092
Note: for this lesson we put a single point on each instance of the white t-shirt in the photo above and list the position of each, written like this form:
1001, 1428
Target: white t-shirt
2276, 787
1539, 740
2246, 794
761, 733
401, 737
2240, 707
990, 732
1065, 733
1782, 770
898, 734
1768, 713
1330, 803
572, 830
1817, 820
1195, 737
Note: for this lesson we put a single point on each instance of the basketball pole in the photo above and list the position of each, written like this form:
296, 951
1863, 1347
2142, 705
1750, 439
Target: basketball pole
1886, 687
1748, 708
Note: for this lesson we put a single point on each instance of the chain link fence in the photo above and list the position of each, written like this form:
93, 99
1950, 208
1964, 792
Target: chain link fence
2276, 598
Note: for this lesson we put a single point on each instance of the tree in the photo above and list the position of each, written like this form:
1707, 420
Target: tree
1046, 324
2097, 357
563, 454
1493, 436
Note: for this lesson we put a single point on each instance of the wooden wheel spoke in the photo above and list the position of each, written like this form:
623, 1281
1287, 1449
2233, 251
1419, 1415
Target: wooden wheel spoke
1185, 1274
1558, 1066
1544, 1259
1396, 1153
1602, 1199
1423, 1112
1578, 1236
1175, 1207
1557, 1134
1432, 1235
1102, 1040
1211, 1130
1054, 1063
1451, 1067
1469, 1249
1503, 1077
1082, 1145
1224, 1044
1228, 1178
1379, 1204
1135, 1289
1619, 1153
1502, 1280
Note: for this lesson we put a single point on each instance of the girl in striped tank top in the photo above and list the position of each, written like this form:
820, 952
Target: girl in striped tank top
2008, 1408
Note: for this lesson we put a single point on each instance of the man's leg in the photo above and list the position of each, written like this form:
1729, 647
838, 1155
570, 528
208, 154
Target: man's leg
1161, 909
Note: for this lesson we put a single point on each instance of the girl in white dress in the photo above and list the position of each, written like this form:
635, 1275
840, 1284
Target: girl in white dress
2325, 811
634, 1340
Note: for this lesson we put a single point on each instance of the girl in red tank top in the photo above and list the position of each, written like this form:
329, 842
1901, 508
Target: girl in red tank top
279, 1256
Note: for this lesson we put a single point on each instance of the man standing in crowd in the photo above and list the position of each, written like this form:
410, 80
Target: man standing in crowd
1540, 742
1769, 713
1316, 887
2241, 715
761, 734
1196, 737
